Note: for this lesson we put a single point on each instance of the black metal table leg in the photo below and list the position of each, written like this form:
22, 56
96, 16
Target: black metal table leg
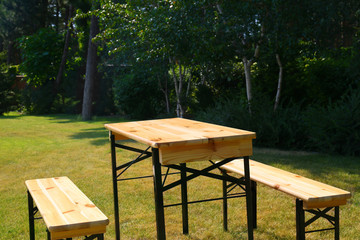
249, 199
115, 187
31, 216
158, 195
337, 223
300, 220
225, 204
48, 234
184, 200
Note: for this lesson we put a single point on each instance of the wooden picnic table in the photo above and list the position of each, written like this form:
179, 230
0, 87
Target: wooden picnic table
174, 142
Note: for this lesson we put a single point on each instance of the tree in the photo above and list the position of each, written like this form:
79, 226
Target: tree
91, 70
240, 25
65, 51
15, 16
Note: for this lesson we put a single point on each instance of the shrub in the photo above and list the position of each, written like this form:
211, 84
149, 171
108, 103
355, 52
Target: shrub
8, 94
336, 128
137, 96
281, 129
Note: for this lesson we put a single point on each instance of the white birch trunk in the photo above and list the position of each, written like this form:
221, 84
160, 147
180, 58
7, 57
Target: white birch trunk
178, 82
278, 92
165, 91
247, 68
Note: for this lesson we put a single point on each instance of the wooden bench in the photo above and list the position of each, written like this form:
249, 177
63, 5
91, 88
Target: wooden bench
66, 211
310, 195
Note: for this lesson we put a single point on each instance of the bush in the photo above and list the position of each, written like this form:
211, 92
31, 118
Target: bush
8, 94
281, 129
38, 100
336, 128
137, 96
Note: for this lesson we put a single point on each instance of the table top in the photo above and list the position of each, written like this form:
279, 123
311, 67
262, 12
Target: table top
176, 131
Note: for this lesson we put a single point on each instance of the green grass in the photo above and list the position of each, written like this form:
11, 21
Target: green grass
63, 145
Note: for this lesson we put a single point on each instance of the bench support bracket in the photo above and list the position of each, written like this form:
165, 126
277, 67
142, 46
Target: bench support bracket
301, 224
227, 188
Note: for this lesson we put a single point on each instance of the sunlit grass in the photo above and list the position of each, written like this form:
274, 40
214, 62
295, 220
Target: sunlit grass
63, 145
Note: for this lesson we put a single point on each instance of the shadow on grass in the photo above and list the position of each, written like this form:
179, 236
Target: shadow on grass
66, 118
98, 136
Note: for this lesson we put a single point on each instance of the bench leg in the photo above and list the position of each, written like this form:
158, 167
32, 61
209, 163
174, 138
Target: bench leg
225, 203
31, 216
301, 224
254, 199
300, 220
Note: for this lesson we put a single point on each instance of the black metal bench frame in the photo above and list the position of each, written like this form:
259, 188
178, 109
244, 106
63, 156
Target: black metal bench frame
301, 224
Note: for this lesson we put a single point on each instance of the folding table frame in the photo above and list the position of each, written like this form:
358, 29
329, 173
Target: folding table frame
160, 187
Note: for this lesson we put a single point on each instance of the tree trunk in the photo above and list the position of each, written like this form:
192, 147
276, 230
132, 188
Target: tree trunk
166, 94
178, 82
247, 68
91, 71
64, 55
10, 53
57, 17
44, 12
278, 92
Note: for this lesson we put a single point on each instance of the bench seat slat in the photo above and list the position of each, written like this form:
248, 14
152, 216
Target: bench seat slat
278, 178
63, 206
314, 194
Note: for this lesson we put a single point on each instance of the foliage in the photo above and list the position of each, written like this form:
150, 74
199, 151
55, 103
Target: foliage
37, 100
137, 94
8, 92
144, 44
336, 128
41, 54
281, 129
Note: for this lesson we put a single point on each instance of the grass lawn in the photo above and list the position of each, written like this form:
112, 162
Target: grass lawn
63, 145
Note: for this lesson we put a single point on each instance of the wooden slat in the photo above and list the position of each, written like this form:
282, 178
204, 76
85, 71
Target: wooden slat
78, 232
63, 206
49, 211
313, 193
